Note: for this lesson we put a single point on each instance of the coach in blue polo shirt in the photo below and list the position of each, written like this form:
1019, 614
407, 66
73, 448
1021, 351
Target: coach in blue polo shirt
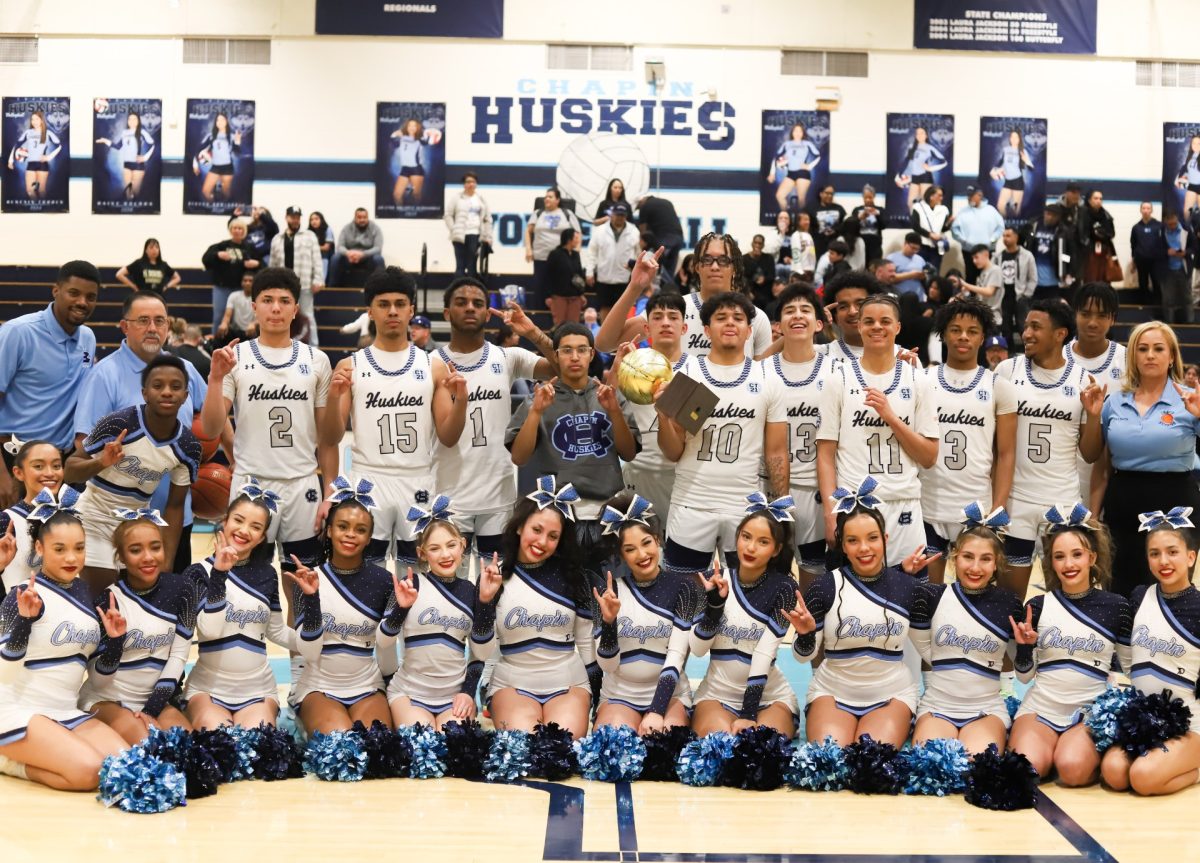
45, 357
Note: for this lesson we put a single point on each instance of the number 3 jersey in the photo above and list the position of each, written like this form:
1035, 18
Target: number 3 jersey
392, 411
274, 393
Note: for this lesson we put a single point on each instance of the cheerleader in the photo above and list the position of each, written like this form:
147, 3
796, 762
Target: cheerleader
1069, 638
967, 639
743, 687
547, 670
49, 629
435, 617
862, 613
36, 465
1165, 648
232, 682
134, 148
342, 605
218, 148
642, 651
160, 612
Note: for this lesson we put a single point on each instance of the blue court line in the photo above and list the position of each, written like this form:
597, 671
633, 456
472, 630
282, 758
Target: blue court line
1070, 830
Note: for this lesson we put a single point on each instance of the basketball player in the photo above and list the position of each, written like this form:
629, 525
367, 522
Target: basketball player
878, 419
719, 266
397, 397
977, 416
844, 297
714, 466
1055, 397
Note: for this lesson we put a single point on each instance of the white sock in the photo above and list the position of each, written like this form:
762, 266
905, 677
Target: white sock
8, 767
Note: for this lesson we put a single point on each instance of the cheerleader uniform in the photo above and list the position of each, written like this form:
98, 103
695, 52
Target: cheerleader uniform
643, 651
160, 624
544, 631
43, 660
1165, 644
22, 565
435, 631
743, 638
1078, 637
964, 643
867, 620
343, 617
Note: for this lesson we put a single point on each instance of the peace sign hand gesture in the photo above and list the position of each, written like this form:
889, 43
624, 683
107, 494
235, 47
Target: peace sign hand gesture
304, 578
111, 618
29, 604
113, 451
1023, 631
226, 555
490, 580
1191, 399
801, 618
916, 561
609, 602
406, 591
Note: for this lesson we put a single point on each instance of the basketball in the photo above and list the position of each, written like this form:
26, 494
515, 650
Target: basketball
640, 372
208, 445
210, 491
589, 163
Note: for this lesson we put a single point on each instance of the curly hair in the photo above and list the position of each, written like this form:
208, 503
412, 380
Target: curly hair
1095, 538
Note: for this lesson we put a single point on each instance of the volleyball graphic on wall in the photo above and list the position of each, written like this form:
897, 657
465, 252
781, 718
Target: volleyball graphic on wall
589, 163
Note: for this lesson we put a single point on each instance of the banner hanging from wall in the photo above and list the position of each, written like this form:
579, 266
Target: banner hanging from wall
410, 160
127, 156
1012, 166
218, 168
36, 138
795, 161
1181, 170
1039, 26
920, 154
479, 19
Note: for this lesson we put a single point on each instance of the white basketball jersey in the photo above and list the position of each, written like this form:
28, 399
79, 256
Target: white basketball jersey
650, 456
392, 411
719, 466
803, 385
275, 392
1107, 369
866, 445
696, 343
967, 406
477, 473
1048, 417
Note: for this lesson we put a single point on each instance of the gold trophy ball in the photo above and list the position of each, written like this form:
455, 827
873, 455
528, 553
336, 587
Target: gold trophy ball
640, 373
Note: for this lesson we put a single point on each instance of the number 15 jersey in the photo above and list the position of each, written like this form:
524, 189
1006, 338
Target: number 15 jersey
392, 411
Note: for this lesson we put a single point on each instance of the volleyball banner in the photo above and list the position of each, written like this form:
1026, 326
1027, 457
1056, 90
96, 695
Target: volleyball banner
36, 139
1181, 169
795, 161
920, 154
127, 156
410, 160
218, 166
1012, 166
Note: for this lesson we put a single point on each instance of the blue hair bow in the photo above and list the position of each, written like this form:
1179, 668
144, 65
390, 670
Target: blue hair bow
997, 520
46, 505
779, 509
549, 494
1076, 516
862, 496
439, 511
638, 512
343, 490
253, 490
1176, 518
144, 513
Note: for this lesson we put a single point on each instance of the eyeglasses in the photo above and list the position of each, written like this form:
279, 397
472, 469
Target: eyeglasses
144, 321
573, 352
722, 261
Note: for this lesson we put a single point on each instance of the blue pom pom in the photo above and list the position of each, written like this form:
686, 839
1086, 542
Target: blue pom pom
1101, 717
818, 767
245, 743
761, 756
552, 752
1013, 704
220, 745
701, 761
873, 767
1004, 781
428, 751
611, 753
137, 782
509, 757
277, 755
338, 756
936, 767
467, 747
1149, 721
288, 722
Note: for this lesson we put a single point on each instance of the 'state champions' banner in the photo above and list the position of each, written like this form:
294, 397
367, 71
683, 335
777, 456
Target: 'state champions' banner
920, 154
795, 161
1181, 168
218, 166
410, 160
127, 156
36, 138
1042, 26
481, 19
1012, 166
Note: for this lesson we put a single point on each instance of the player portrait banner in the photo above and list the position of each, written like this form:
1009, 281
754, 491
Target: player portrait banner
1012, 166
795, 161
410, 160
476, 19
218, 165
127, 156
1181, 169
1037, 26
920, 154
36, 138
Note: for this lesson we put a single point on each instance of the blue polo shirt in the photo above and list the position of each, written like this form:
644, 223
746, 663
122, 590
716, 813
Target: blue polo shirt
1162, 441
42, 369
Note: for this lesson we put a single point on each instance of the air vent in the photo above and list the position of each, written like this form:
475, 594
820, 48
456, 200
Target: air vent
242, 52
824, 64
18, 49
1151, 73
606, 58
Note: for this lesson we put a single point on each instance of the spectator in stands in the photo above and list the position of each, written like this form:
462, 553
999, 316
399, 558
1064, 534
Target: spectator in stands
1096, 233
849, 234
564, 282
420, 332
149, 272
758, 268
930, 218
910, 267
804, 247
658, 216
995, 351
779, 245
360, 244
225, 263
260, 232
831, 264
504, 336
239, 321
192, 350
175, 332
469, 220
977, 224
883, 270
1053, 247
870, 223
324, 234
1018, 274
1149, 248
298, 249
542, 237
362, 328
988, 285
45, 357
614, 195
686, 276
1177, 286
611, 254
827, 216
1191, 376
1070, 203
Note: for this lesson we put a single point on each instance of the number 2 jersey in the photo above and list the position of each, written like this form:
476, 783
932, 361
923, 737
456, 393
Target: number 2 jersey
392, 411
